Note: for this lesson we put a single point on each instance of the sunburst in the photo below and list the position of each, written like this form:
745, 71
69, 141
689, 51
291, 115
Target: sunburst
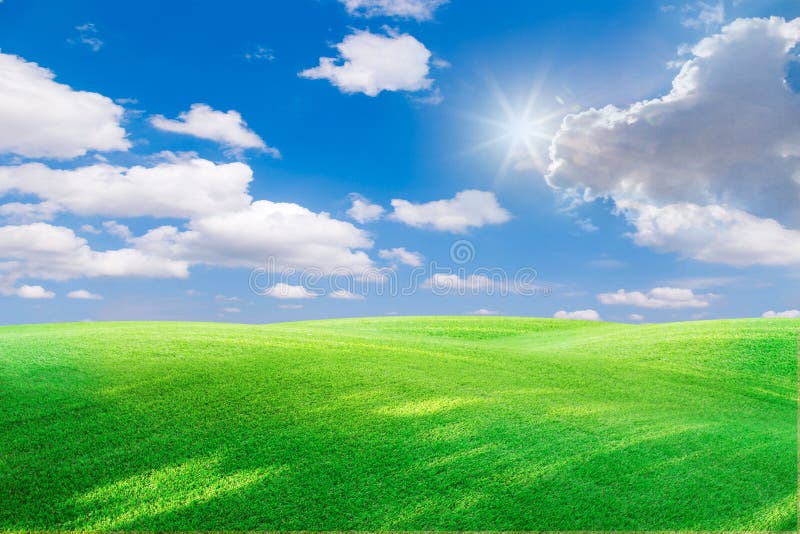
525, 131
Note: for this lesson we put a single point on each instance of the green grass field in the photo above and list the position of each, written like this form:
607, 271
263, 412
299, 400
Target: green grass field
400, 423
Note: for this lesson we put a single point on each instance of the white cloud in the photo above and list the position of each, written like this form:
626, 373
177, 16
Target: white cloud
291, 306
87, 34
714, 234
727, 132
116, 229
406, 257
33, 292
415, 9
788, 314
468, 209
259, 53
720, 146
223, 298
22, 213
370, 63
231, 310
287, 291
180, 188
47, 252
658, 298
493, 283
343, 294
83, 294
227, 128
636, 317
42, 118
484, 311
581, 315
704, 16
363, 211
289, 235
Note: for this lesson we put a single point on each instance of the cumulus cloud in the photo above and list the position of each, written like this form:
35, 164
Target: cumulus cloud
43, 118
714, 234
287, 291
400, 254
659, 298
788, 314
33, 292
288, 235
363, 211
581, 315
414, 9
726, 133
227, 128
370, 63
82, 294
724, 138
47, 252
636, 317
180, 188
468, 209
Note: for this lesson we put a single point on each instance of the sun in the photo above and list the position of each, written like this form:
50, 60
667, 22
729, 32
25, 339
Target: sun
524, 131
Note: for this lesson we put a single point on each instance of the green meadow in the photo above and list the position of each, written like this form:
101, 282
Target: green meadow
445, 423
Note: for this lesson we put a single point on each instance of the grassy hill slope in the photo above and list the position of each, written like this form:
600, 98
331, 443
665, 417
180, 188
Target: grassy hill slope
400, 423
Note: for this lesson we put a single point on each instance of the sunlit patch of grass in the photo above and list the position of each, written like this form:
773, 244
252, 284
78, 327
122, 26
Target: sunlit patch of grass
426, 407
419, 423
168, 489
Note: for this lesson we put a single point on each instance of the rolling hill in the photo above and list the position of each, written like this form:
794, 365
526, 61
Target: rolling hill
415, 423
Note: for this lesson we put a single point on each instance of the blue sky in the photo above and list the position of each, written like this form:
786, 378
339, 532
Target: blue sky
641, 157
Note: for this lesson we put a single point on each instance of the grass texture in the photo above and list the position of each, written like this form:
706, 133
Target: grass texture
447, 423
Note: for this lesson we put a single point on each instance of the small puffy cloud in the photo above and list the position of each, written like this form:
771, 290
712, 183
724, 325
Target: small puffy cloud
414, 9
42, 118
231, 310
116, 229
363, 211
33, 292
287, 291
223, 298
713, 234
400, 254
580, 315
82, 294
484, 311
177, 188
343, 294
291, 306
468, 209
370, 63
227, 128
658, 298
636, 317
788, 314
